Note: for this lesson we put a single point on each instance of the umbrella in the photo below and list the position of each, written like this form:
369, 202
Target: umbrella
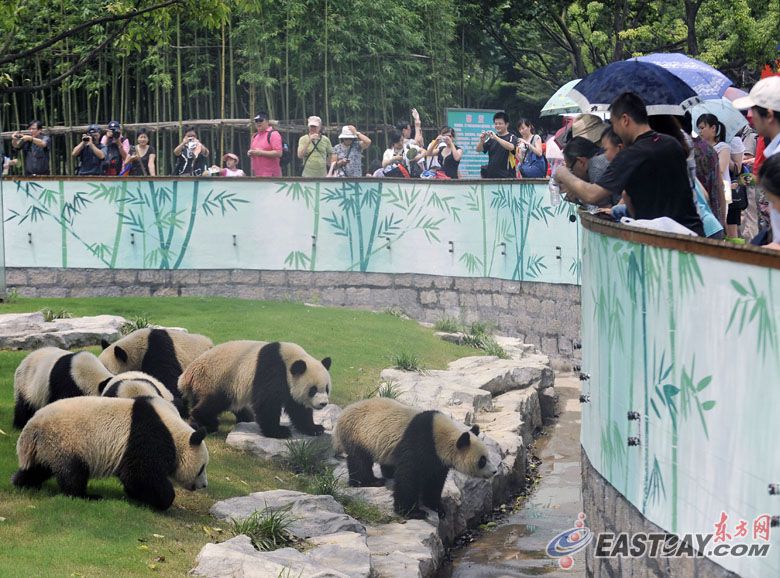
661, 90
733, 93
726, 113
706, 81
559, 102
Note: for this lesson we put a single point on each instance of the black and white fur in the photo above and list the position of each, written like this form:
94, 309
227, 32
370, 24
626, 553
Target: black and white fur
49, 374
143, 441
256, 380
162, 353
416, 448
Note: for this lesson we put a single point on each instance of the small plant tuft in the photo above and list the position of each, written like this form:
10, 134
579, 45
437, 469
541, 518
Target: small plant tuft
50, 315
389, 389
305, 456
406, 361
326, 483
478, 336
11, 296
364, 511
135, 323
395, 312
268, 529
448, 325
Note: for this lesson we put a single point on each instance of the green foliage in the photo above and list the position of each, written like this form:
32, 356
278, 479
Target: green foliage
50, 315
406, 361
268, 529
478, 335
326, 483
389, 389
447, 325
134, 323
306, 456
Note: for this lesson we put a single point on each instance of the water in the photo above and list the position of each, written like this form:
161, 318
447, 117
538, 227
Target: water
517, 547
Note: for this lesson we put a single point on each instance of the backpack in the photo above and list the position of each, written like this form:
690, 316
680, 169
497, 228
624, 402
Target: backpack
533, 166
284, 160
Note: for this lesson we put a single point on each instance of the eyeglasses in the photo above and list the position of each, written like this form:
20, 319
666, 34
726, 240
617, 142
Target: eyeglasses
570, 163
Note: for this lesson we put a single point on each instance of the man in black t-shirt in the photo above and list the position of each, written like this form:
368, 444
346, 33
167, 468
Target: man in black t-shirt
651, 169
498, 145
35, 146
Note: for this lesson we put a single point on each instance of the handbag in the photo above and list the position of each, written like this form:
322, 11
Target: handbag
739, 194
533, 166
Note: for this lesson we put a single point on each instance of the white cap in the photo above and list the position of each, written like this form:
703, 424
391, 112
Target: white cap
314, 121
346, 133
765, 93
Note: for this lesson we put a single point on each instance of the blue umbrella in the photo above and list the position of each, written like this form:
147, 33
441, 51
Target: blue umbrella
731, 118
661, 90
706, 81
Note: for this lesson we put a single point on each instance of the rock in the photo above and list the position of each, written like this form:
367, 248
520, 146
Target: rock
246, 436
347, 551
438, 389
502, 375
516, 412
514, 347
313, 515
237, 557
30, 331
548, 402
404, 550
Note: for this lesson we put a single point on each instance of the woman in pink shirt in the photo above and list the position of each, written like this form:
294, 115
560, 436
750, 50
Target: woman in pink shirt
266, 149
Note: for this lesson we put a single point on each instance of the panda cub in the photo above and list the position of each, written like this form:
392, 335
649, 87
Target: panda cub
162, 353
143, 441
49, 374
266, 377
132, 384
417, 448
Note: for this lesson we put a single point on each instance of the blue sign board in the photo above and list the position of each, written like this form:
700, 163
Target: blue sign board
469, 124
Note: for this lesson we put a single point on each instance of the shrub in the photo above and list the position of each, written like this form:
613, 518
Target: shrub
305, 456
134, 323
268, 529
50, 315
448, 325
406, 361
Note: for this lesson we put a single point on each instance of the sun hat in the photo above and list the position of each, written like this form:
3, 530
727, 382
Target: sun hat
227, 156
765, 93
588, 126
346, 133
314, 121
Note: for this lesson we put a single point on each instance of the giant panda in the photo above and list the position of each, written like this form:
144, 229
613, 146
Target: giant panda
143, 441
162, 353
418, 448
266, 377
49, 374
132, 384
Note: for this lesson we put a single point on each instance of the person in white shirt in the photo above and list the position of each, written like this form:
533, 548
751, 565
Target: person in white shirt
764, 103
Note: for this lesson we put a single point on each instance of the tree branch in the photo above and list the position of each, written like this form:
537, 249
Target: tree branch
94, 22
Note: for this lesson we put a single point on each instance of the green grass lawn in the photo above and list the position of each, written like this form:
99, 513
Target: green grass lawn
46, 534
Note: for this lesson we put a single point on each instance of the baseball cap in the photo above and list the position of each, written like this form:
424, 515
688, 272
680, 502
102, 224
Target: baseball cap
113, 125
93, 128
765, 93
261, 116
314, 121
588, 126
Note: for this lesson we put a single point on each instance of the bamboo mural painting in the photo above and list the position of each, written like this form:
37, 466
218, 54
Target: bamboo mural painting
463, 229
658, 338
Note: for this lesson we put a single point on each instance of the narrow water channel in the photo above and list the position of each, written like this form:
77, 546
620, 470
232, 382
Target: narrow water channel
517, 547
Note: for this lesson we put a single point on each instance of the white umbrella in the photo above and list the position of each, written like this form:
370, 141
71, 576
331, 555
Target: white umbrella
559, 102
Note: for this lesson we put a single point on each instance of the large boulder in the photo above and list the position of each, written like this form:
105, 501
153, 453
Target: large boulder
499, 376
312, 515
30, 331
405, 550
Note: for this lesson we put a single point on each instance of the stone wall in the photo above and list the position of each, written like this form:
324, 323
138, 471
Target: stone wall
543, 314
608, 511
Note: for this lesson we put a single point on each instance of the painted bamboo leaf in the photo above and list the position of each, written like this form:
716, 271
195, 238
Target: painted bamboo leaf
655, 489
471, 261
753, 306
535, 265
297, 260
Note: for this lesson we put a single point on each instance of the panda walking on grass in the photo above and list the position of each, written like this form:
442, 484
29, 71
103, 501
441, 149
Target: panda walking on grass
256, 380
417, 448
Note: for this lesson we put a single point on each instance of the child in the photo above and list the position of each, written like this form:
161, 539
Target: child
230, 170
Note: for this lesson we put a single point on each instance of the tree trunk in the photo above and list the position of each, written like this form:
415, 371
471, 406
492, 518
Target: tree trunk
691, 11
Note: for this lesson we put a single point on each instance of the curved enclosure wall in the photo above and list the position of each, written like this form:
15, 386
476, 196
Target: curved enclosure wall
505, 230
691, 342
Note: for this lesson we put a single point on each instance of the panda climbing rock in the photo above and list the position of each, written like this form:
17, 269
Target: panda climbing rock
255, 380
49, 374
416, 448
162, 353
132, 384
143, 441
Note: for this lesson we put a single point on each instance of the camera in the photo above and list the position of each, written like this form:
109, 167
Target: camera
85, 138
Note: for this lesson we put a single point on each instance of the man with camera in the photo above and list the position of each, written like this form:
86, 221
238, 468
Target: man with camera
90, 152
35, 146
116, 149
498, 144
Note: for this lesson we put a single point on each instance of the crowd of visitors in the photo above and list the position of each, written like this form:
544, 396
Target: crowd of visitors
633, 165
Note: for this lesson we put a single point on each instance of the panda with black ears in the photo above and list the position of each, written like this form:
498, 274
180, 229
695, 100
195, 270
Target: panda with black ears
143, 441
417, 448
162, 353
49, 374
256, 380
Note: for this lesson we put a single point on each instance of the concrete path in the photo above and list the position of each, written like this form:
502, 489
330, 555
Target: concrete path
518, 546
